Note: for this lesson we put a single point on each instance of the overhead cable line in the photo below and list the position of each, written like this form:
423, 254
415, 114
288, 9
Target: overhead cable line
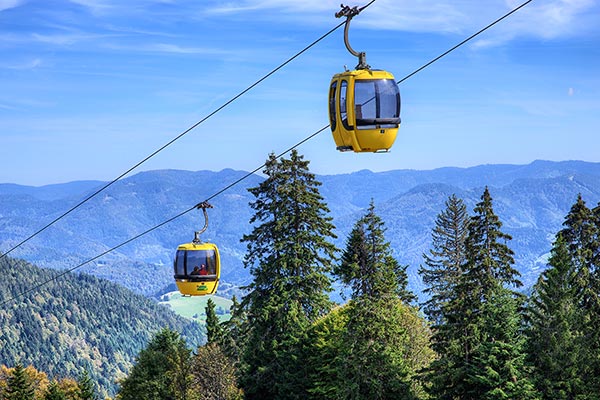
514, 10
252, 172
240, 94
67, 271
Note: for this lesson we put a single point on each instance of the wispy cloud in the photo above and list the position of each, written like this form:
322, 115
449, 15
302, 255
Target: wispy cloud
65, 39
95, 6
168, 48
31, 64
548, 19
8, 4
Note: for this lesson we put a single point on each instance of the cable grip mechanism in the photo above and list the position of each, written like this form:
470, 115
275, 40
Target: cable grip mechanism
349, 13
204, 205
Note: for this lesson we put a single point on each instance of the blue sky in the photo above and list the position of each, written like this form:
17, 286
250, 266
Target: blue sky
88, 88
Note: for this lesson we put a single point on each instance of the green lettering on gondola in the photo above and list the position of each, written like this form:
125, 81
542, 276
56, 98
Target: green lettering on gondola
201, 288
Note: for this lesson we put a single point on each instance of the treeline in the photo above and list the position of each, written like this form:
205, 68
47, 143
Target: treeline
481, 339
476, 337
77, 322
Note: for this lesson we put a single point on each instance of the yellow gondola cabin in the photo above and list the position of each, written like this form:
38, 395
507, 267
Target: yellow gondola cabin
197, 264
364, 104
364, 110
197, 269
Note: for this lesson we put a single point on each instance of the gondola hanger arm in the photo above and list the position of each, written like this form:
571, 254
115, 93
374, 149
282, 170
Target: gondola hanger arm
204, 205
349, 13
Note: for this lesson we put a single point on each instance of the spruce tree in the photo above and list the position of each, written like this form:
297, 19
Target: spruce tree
289, 258
445, 259
162, 370
233, 335
367, 265
54, 392
553, 336
214, 330
476, 314
442, 275
85, 387
375, 357
498, 370
19, 386
581, 233
490, 260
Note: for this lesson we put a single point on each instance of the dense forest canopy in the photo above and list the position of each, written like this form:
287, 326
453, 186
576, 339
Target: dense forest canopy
77, 322
482, 338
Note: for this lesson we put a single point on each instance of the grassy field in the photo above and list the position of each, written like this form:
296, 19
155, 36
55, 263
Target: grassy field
195, 307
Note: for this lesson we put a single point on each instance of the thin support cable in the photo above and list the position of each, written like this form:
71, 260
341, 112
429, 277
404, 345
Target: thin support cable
252, 172
106, 186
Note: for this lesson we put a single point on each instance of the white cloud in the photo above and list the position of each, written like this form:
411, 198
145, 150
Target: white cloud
544, 19
8, 4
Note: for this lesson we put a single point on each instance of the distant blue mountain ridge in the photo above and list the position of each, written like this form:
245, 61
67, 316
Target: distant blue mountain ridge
531, 201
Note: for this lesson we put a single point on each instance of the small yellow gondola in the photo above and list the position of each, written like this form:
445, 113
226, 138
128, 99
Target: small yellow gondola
197, 264
364, 104
197, 269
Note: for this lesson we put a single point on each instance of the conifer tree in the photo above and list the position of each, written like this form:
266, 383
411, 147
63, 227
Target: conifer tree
289, 258
479, 319
367, 264
162, 370
490, 260
233, 338
581, 232
445, 259
374, 362
54, 392
554, 338
498, 370
442, 276
19, 386
85, 387
214, 331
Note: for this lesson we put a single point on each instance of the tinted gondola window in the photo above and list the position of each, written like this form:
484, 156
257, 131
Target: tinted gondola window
195, 262
332, 101
377, 103
180, 262
203, 259
343, 101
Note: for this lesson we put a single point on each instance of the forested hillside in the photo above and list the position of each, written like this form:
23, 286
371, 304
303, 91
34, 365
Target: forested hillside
78, 323
531, 200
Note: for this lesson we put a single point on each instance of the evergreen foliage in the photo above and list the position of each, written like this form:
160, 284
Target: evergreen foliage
55, 392
554, 338
379, 360
213, 329
19, 385
581, 233
289, 257
445, 260
162, 370
78, 322
498, 370
373, 362
85, 387
367, 264
478, 335
233, 335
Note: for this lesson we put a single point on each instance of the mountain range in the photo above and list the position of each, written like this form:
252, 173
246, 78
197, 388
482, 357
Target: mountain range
531, 201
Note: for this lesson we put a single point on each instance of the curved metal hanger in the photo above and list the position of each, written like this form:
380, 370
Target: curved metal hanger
349, 13
204, 205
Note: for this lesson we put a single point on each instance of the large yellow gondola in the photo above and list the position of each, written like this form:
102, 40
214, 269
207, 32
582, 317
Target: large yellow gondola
364, 104
197, 264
